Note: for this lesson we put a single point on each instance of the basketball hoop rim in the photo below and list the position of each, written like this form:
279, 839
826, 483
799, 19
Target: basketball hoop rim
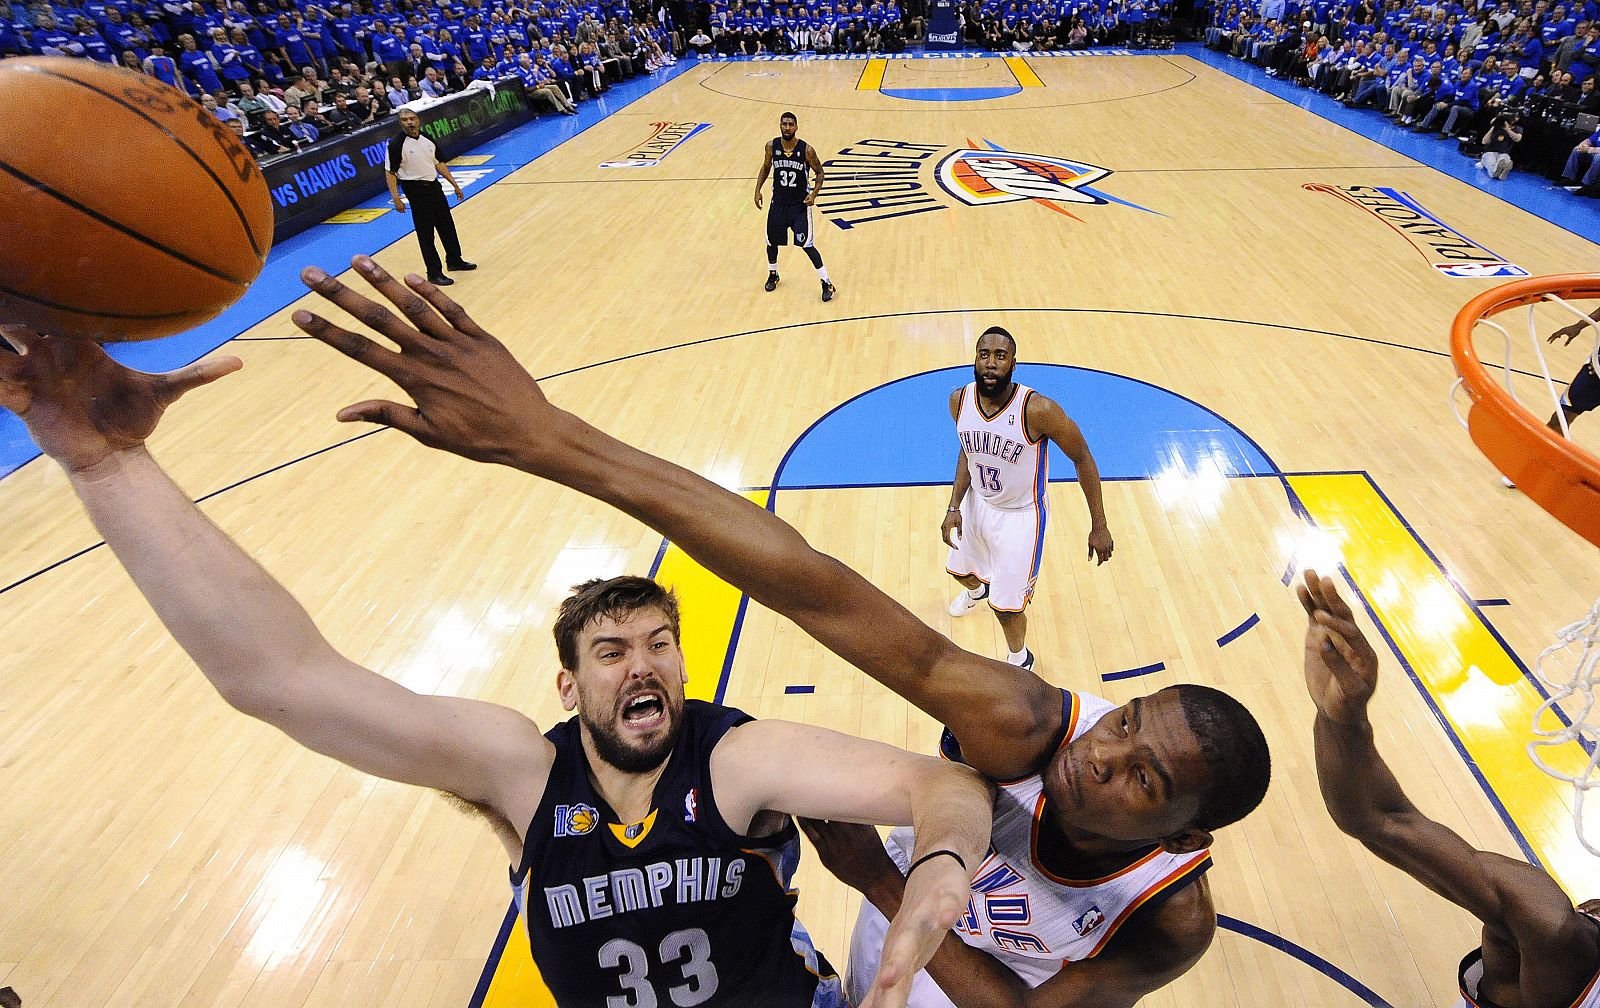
1551, 470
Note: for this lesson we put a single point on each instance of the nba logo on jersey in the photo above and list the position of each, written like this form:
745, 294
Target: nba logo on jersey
1092, 918
575, 820
691, 802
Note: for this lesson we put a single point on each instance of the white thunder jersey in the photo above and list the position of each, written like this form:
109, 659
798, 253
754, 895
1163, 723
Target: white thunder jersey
1008, 470
1032, 920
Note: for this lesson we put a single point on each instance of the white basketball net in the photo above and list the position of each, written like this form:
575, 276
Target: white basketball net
1569, 669
1536, 340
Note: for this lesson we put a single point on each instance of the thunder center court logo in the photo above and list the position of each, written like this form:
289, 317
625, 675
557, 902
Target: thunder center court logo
979, 177
664, 138
874, 180
1443, 247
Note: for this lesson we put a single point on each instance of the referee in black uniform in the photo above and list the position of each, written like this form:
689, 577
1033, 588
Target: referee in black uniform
414, 168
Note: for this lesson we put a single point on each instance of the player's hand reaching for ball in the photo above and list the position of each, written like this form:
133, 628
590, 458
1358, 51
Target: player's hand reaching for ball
79, 404
1341, 667
472, 396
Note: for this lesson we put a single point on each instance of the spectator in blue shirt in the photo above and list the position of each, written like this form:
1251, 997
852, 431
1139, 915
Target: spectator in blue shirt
1456, 102
48, 39
1586, 58
1574, 176
87, 41
199, 67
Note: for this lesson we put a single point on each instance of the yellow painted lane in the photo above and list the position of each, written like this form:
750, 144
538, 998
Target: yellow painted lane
1023, 72
1483, 695
872, 75
709, 608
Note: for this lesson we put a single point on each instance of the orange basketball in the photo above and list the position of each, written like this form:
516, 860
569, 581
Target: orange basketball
127, 211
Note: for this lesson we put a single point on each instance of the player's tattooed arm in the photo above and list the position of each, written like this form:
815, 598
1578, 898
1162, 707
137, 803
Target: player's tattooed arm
817, 174
766, 169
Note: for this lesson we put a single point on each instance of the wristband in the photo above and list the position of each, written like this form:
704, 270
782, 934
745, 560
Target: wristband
953, 510
933, 854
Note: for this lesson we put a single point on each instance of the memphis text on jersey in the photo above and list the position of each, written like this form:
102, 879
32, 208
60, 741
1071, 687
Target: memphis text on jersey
879, 180
984, 443
680, 881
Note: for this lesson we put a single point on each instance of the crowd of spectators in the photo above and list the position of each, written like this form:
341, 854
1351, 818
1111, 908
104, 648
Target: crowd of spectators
288, 77
782, 27
1481, 72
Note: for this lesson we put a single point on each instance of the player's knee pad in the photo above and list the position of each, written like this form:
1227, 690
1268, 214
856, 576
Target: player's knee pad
814, 256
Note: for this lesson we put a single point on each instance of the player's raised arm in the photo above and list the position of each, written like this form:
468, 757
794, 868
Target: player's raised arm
1046, 418
1558, 948
252, 640
858, 781
475, 400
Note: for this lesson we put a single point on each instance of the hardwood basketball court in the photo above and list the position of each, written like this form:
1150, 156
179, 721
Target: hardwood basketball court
1243, 353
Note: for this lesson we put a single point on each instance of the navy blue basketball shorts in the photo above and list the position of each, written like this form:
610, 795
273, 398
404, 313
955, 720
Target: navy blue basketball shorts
784, 218
1583, 394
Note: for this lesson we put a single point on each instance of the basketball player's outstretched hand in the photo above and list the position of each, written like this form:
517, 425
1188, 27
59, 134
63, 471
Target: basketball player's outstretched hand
930, 900
936, 895
79, 404
1341, 666
472, 397
1571, 332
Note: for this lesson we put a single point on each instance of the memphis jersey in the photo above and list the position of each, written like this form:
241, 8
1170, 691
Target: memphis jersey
1009, 471
1471, 975
791, 176
1031, 919
676, 909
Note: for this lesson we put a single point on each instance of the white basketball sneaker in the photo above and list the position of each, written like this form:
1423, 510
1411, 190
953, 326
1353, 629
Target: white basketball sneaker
967, 601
